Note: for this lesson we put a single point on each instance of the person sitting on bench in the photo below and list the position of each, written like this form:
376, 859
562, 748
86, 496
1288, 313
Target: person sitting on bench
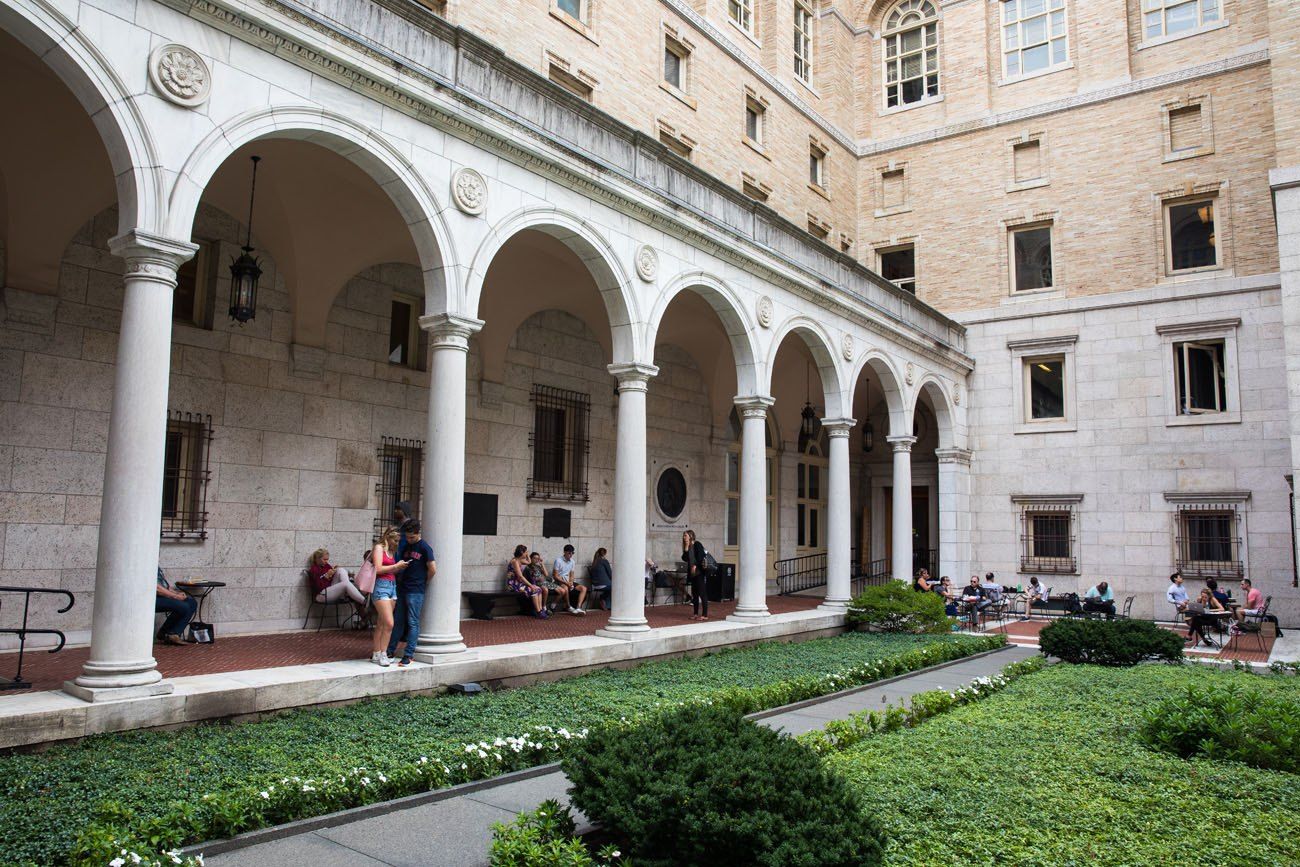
560, 582
179, 608
1100, 600
602, 578
519, 580
1034, 593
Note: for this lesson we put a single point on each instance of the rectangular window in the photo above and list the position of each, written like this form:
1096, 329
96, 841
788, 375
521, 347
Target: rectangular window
1027, 159
1199, 377
754, 189
803, 34
893, 189
401, 469
1189, 228
1171, 17
754, 120
731, 530
899, 266
816, 166
1185, 131
405, 346
1031, 253
185, 476
1047, 539
1033, 36
560, 444
819, 230
570, 82
193, 300
572, 8
675, 144
742, 14
912, 60
1045, 388
1208, 544
676, 63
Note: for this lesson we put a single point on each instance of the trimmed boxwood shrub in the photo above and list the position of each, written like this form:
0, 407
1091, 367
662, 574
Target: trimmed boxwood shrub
896, 607
1109, 642
703, 785
1224, 721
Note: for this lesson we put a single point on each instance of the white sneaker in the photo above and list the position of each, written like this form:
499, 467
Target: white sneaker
383, 659
374, 657
577, 611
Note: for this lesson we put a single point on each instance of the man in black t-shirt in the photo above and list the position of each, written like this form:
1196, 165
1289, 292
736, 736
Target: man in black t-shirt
411, 584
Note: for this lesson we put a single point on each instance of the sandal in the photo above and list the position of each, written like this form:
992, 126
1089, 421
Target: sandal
174, 638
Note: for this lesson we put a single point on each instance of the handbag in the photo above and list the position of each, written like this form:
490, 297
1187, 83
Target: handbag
710, 564
366, 576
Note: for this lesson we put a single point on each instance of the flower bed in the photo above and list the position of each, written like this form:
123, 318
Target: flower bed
1051, 771
158, 790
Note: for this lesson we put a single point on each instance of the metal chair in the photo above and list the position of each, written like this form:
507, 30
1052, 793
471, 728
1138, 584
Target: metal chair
1254, 624
1126, 614
324, 606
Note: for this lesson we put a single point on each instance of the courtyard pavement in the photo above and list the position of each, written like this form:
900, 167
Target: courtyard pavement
454, 828
48, 671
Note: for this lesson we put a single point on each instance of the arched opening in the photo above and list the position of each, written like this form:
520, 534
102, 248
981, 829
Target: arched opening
699, 325
878, 407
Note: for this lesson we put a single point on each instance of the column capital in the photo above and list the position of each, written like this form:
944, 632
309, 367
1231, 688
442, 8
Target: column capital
632, 375
151, 255
838, 427
901, 443
450, 329
754, 405
953, 456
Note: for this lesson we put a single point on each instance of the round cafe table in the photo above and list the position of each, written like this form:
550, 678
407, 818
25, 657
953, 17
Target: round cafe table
199, 590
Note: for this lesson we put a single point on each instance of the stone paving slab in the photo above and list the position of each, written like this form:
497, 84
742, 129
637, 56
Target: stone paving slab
457, 832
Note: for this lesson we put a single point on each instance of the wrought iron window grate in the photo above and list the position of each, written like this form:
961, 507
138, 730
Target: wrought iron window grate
185, 476
560, 444
1207, 543
401, 474
1047, 541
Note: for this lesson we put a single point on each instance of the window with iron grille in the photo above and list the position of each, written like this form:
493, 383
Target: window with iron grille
185, 476
1047, 538
560, 444
1208, 543
401, 472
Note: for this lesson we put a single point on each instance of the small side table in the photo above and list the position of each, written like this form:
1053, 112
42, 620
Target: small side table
199, 590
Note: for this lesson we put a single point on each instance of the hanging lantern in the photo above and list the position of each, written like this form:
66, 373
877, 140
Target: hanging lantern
245, 271
807, 427
868, 436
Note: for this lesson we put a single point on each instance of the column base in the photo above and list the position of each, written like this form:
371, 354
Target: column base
96, 694
629, 631
436, 649
836, 606
750, 615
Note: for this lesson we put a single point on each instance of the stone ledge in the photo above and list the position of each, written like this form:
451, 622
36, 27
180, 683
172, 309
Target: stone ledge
42, 718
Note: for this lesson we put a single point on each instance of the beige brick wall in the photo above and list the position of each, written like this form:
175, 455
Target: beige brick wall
1106, 160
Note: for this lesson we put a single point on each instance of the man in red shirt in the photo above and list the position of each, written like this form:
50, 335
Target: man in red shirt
1254, 600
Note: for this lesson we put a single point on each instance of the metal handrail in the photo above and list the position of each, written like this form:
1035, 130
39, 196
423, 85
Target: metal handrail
23, 631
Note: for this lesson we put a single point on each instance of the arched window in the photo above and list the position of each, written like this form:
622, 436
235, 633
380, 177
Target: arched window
911, 35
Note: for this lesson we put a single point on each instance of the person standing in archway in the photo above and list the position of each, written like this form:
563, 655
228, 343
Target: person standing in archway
693, 554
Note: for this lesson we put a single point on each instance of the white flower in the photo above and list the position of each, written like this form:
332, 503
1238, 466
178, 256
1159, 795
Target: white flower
175, 855
265, 795
482, 754
135, 859
117, 862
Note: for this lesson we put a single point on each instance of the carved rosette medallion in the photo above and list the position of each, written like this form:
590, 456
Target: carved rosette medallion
765, 312
180, 75
911, 373
846, 347
469, 191
647, 263
956, 394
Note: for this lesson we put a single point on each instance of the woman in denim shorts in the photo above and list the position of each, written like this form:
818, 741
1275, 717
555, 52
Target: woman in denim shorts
384, 595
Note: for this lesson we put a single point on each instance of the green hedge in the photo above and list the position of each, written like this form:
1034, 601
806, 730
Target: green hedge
704, 785
156, 790
1109, 642
1050, 772
1226, 721
545, 837
896, 607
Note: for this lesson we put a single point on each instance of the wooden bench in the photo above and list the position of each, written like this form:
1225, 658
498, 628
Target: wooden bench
481, 604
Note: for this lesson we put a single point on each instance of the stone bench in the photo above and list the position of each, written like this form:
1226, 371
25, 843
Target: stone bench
481, 603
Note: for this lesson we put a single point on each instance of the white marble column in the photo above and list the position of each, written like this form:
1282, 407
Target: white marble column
627, 605
121, 663
839, 520
954, 512
751, 595
444, 484
902, 510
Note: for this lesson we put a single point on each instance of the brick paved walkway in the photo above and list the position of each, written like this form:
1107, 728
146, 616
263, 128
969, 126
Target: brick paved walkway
241, 653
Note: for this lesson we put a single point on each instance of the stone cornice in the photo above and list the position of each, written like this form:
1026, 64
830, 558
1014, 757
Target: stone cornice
454, 95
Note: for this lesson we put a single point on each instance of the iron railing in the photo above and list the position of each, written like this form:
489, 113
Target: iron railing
401, 477
1207, 544
797, 574
185, 476
560, 444
1047, 542
22, 632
